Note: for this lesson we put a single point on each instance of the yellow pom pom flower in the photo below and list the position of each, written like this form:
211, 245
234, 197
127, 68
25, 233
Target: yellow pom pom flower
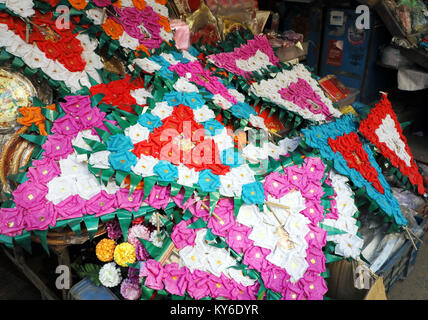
105, 250
124, 253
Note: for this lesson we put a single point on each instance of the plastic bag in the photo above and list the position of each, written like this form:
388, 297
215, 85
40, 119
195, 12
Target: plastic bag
202, 23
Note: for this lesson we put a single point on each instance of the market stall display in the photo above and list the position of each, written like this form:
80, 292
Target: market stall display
201, 196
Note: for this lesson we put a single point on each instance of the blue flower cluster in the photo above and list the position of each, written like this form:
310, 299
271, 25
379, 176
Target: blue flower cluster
212, 127
150, 121
120, 157
192, 99
243, 110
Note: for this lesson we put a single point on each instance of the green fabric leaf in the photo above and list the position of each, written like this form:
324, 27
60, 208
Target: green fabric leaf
331, 231
39, 140
135, 180
95, 145
125, 219
149, 183
103, 134
112, 128
91, 223
95, 100
214, 197
198, 224
75, 226
188, 193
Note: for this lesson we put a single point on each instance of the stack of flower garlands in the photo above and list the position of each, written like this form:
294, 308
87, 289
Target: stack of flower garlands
202, 199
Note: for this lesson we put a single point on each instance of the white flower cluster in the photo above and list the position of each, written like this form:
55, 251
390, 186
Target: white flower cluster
217, 261
286, 237
387, 133
110, 275
270, 88
348, 244
35, 58
22, 8
254, 63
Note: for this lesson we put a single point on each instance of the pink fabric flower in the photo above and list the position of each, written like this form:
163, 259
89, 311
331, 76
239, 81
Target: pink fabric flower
153, 272
129, 202
275, 278
221, 228
89, 117
240, 292
254, 257
74, 104
314, 287
314, 168
43, 170
293, 292
314, 210
40, 217
11, 221
197, 286
72, 207
183, 236
30, 194
101, 204
316, 236
220, 286
68, 125
158, 197
175, 279
316, 260
237, 238
57, 147
141, 252
276, 185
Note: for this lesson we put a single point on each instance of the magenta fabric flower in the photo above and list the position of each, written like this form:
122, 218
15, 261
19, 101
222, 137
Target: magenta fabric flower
102, 3
312, 190
30, 194
175, 279
221, 227
40, 217
314, 210
316, 260
240, 292
130, 290
67, 125
158, 197
74, 104
316, 237
89, 117
153, 272
198, 210
276, 185
11, 221
254, 257
183, 236
220, 286
113, 229
57, 147
237, 238
101, 204
72, 207
197, 285
314, 168
43, 170
136, 232
129, 202
296, 176
293, 292
275, 278
314, 288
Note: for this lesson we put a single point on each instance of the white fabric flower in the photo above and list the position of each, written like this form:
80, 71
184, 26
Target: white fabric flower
148, 65
243, 174
100, 159
23, 8
129, 42
264, 236
141, 95
253, 154
248, 215
296, 224
203, 114
229, 187
201, 243
93, 61
187, 177
257, 122
160, 9
137, 133
60, 188
88, 44
112, 187
218, 260
110, 275
348, 245
193, 258
239, 96
287, 145
88, 186
71, 167
293, 200
162, 110
188, 56
273, 150
56, 71
183, 85
239, 277
35, 58
167, 36
157, 239
169, 58
278, 256
296, 267
144, 166
223, 140
221, 102
79, 142
95, 15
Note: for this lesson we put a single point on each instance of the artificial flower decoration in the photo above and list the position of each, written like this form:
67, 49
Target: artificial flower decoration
382, 128
110, 275
253, 193
124, 253
295, 90
105, 250
208, 182
150, 121
338, 141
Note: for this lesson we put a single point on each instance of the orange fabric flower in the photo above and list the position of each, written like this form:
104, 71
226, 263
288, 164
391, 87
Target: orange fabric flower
161, 2
78, 4
117, 4
142, 47
139, 4
140, 186
113, 29
164, 22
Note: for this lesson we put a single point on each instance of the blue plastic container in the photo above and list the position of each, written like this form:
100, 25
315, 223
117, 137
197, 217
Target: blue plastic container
87, 290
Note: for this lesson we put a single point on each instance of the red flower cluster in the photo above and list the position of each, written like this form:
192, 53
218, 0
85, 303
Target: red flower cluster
182, 140
351, 149
368, 128
118, 93
58, 45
